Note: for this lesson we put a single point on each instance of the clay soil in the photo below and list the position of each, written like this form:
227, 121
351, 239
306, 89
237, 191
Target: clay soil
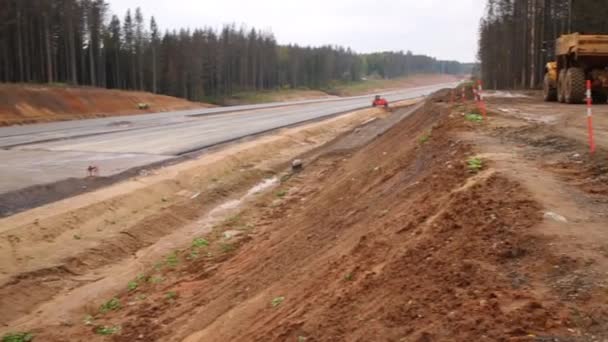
25, 104
437, 229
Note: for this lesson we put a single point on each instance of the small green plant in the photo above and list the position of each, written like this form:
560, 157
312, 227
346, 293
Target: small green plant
227, 247
425, 138
349, 277
111, 305
277, 301
18, 337
156, 280
473, 117
132, 285
200, 242
141, 297
171, 295
77, 237
172, 260
193, 255
474, 164
88, 320
107, 330
281, 193
302, 339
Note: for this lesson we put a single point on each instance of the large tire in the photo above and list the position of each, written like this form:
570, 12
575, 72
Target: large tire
561, 86
575, 85
600, 97
549, 91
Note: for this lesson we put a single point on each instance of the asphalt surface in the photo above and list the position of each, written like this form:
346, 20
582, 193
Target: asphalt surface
46, 153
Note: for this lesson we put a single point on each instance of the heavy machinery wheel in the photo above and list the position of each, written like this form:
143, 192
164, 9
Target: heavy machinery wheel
549, 92
575, 85
600, 97
561, 86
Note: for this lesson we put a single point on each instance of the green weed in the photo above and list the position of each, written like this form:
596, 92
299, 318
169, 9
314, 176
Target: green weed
281, 194
111, 305
425, 138
200, 242
349, 277
172, 260
106, 330
18, 337
473, 117
277, 301
132, 285
171, 295
156, 280
193, 255
475, 164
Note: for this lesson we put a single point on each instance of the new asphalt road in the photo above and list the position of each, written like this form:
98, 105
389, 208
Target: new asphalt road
46, 153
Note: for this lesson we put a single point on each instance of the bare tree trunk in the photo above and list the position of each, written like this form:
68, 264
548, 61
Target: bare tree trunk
154, 81
533, 37
19, 43
49, 55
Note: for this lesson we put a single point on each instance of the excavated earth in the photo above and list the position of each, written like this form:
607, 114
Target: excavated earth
434, 229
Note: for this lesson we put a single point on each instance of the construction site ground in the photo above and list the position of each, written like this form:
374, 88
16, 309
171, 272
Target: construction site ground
418, 225
28, 103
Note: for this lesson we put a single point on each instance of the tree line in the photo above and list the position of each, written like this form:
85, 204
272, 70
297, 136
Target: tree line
79, 42
517, 37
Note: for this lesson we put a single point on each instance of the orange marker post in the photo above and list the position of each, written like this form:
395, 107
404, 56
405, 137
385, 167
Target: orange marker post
590, 118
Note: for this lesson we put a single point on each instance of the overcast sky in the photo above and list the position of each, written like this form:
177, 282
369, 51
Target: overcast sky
445, 29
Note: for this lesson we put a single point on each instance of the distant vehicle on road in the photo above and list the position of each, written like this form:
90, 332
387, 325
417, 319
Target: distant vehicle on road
379, 101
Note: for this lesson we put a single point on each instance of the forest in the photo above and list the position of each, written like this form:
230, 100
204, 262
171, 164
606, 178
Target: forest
80, 42
517, 37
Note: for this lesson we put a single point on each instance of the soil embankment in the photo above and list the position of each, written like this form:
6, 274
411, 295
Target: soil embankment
25, 104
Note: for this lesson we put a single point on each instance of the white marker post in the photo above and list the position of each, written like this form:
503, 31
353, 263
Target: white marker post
590, 118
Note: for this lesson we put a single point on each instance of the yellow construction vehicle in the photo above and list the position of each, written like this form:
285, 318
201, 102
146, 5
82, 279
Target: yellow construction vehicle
579, 57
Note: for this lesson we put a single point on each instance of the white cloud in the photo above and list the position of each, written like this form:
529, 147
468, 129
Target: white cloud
445, 29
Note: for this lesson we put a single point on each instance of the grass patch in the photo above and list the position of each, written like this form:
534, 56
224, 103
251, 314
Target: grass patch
171, 295
193, 255
473, 117
281, 194
277, 301
156, 280
111, 305
132, 286
199, 243
107, 330
18, 337
349, 277
425, 138
172, 260
474, 164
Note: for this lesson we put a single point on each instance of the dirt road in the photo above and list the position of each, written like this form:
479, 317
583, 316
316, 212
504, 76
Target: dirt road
441, 228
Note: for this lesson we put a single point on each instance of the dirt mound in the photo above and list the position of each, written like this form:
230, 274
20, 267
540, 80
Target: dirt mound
402, 240
23, 104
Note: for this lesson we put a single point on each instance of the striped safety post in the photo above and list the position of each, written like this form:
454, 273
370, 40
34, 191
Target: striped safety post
590, 118
480, 102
